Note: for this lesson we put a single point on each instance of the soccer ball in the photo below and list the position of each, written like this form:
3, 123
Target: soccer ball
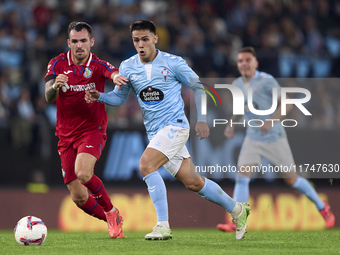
30, 230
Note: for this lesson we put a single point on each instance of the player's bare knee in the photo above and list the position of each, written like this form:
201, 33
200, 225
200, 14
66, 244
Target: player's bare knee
194, 185
79, 199
145, 168
83, 176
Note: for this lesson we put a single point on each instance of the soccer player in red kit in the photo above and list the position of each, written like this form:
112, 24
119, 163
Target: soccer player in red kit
81, 127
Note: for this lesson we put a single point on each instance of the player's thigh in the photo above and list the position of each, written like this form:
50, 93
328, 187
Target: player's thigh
84, 165
89, 148
187, 174
151, 160
169, 140
67, 156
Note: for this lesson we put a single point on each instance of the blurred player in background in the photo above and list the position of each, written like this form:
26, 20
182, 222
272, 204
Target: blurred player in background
81, 127
156, 79
269, 141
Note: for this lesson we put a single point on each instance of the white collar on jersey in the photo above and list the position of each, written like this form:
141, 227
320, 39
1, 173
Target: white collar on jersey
70, 62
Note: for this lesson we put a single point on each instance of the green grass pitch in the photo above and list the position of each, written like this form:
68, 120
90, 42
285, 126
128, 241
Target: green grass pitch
185, 241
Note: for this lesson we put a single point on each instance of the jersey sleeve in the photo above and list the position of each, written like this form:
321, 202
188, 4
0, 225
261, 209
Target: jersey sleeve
271, 83
183, 72
107, 69
188, 77
52, 70
115, 97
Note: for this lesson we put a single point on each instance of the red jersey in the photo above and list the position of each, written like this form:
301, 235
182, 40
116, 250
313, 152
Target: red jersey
74, 115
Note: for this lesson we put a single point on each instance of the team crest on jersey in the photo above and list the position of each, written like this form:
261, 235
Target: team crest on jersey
88, 72
165, 73
151, 96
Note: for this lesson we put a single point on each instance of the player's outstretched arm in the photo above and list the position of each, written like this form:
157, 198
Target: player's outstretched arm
118, 79
113, 98
201, 128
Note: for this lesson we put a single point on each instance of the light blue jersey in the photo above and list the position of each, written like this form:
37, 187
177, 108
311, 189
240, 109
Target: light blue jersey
157, 86
262, 85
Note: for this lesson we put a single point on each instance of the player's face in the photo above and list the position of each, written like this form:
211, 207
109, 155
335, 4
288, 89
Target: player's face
145, 44
80, 44
247, 64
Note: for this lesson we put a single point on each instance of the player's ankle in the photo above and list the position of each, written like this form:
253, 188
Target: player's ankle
236, 211
112, 210
163, 223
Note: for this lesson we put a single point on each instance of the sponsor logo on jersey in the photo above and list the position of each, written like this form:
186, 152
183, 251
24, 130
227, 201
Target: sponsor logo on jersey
151, 96
84, 87
88, 72
67, 72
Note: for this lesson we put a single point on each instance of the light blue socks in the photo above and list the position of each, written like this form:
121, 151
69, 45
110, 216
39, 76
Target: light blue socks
241, 188
157, 192
213, 192
302, 185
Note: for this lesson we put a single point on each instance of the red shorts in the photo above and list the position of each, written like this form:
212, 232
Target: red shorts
92, 142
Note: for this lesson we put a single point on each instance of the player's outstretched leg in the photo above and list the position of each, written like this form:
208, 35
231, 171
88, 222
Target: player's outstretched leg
99, 193
92, 208
211, 191
241, 194
308, 190
241, 220
115, 222
328, 215
157, 192
85, 202
239, 211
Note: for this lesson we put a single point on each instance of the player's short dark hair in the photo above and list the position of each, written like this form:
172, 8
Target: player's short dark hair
143, 24
248, 49
78, 26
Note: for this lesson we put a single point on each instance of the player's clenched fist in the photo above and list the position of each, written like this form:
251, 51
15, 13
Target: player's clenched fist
60, 80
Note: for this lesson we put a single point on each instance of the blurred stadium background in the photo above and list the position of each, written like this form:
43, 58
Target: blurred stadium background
293, 39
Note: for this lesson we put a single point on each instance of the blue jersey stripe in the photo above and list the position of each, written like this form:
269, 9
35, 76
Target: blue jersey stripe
56, 63
107, 67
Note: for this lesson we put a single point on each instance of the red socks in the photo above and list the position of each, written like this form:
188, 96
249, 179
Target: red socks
99, 193
92, 208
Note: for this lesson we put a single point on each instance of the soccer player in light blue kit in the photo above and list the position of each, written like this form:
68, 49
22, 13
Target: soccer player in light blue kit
269, 140
156, 79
